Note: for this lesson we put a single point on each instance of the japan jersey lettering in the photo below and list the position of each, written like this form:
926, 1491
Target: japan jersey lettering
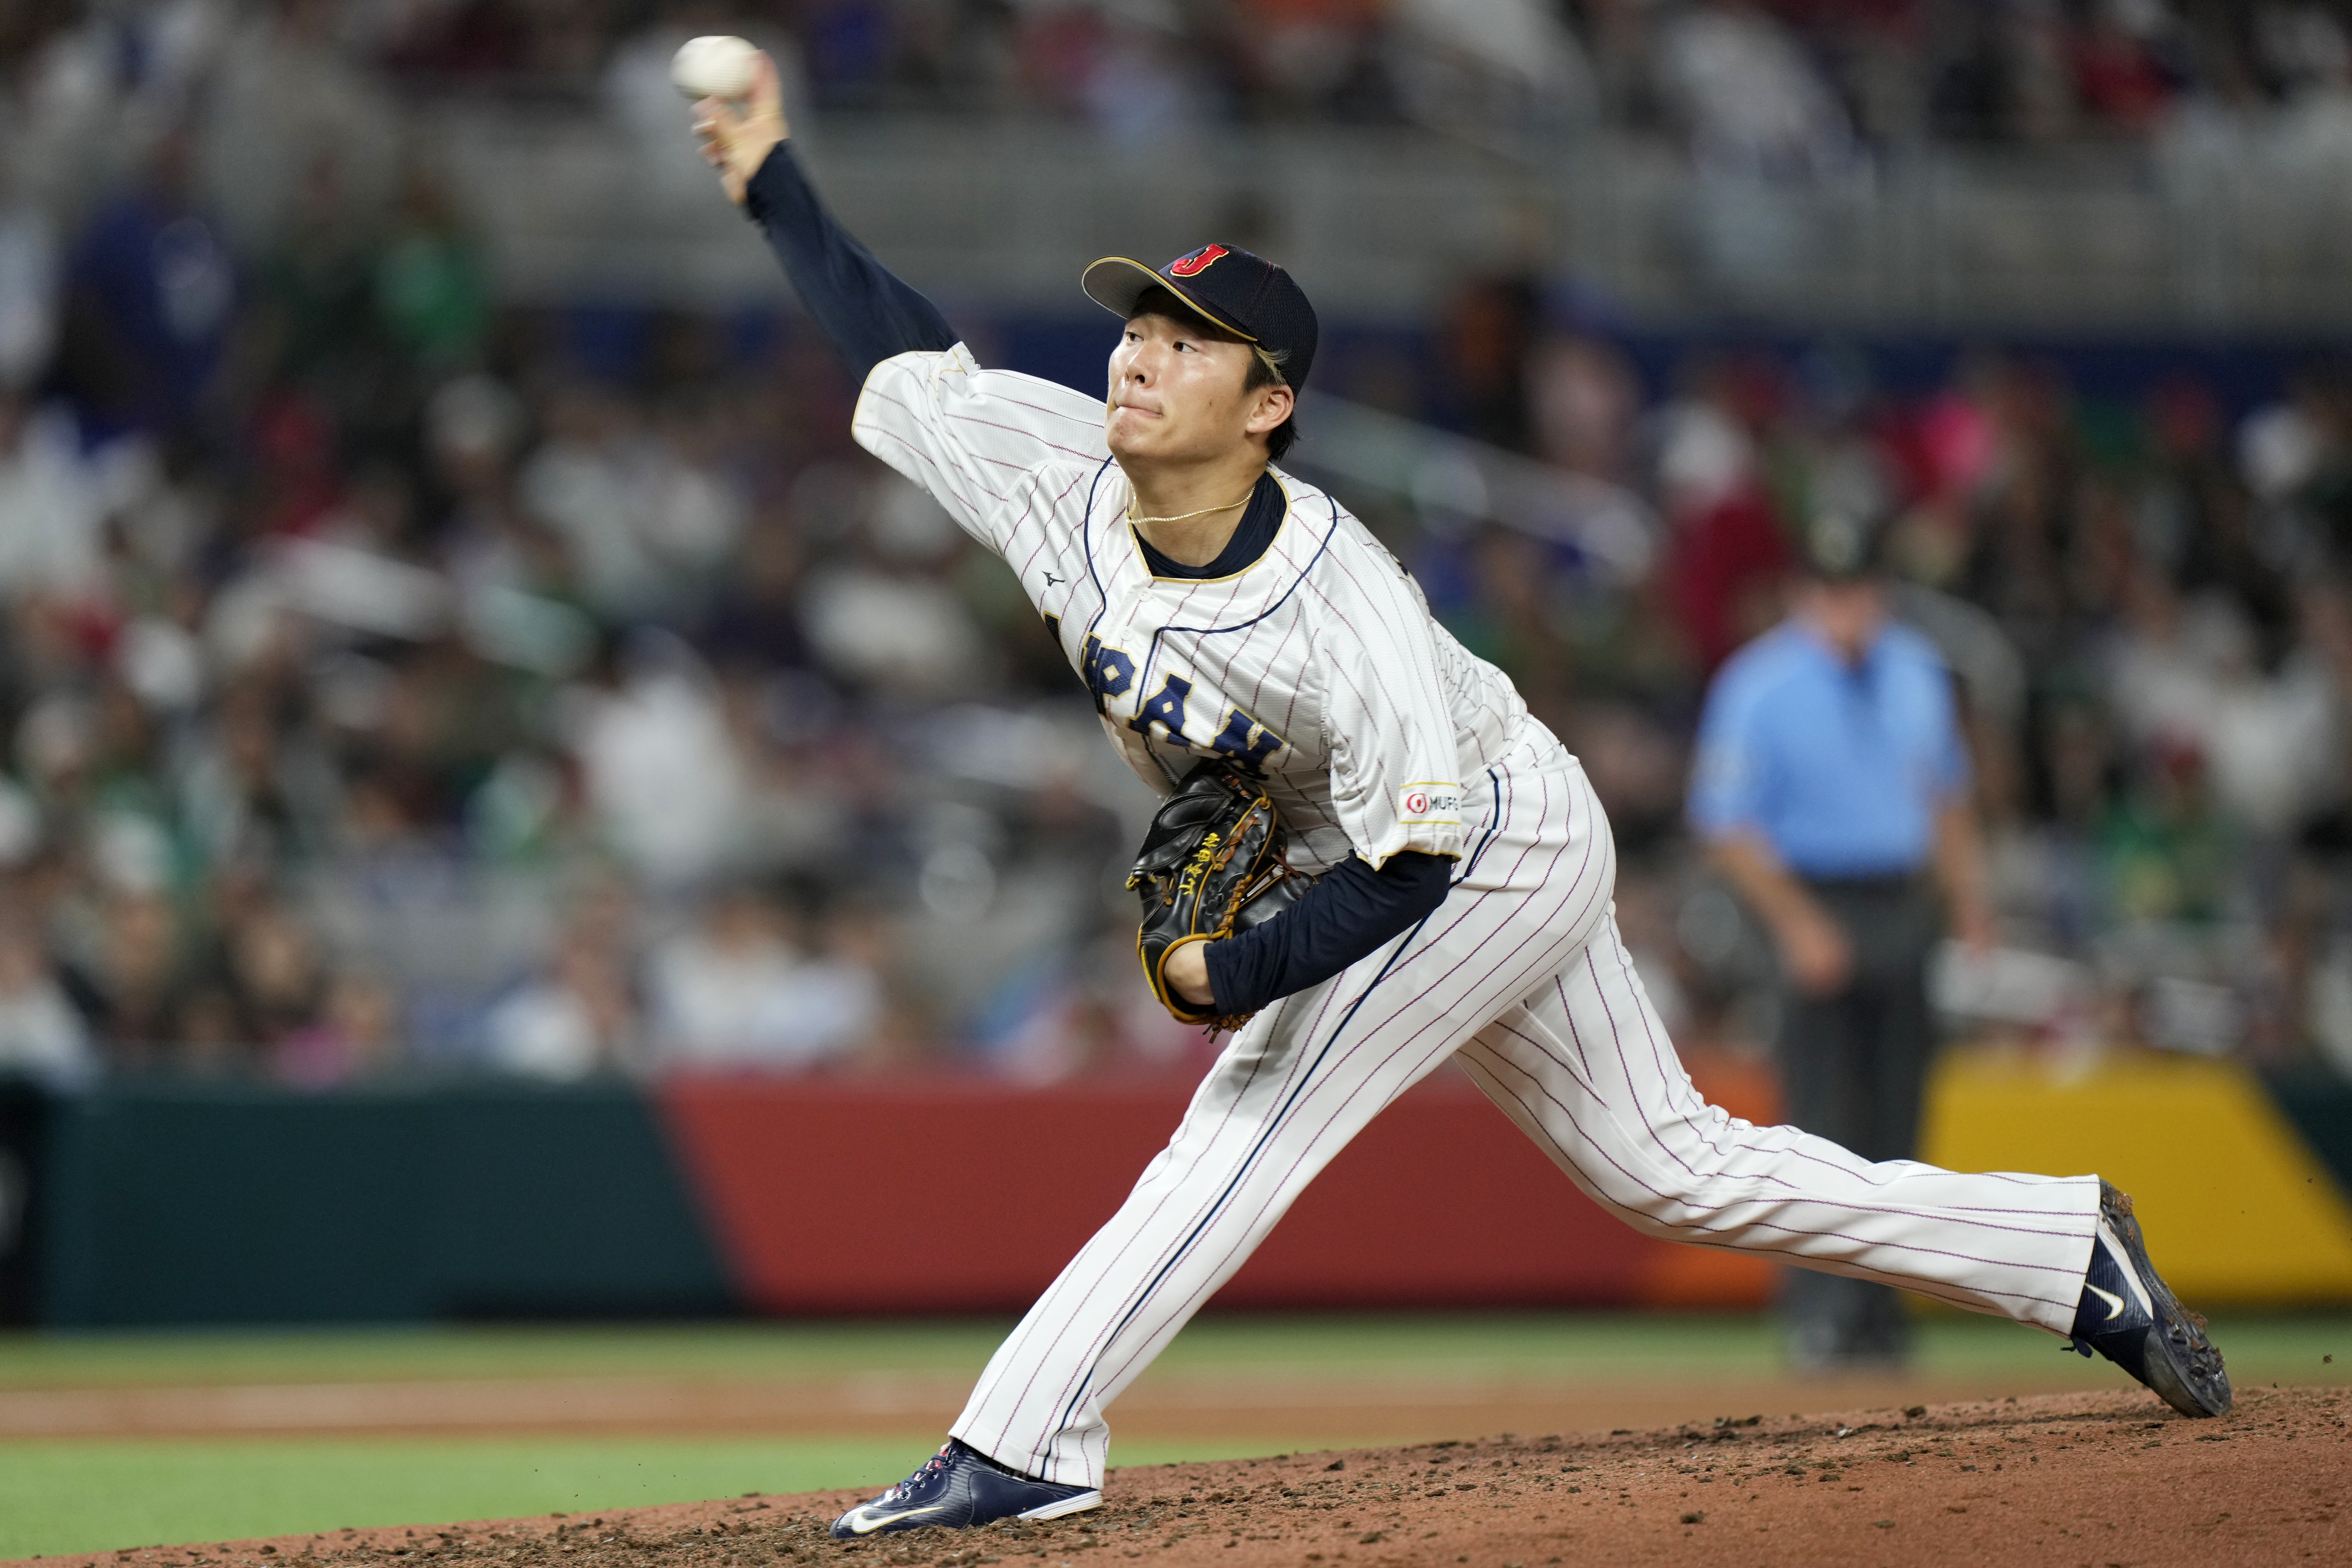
1316, 668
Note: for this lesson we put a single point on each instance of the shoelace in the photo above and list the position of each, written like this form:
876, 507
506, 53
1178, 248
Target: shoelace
935, 1462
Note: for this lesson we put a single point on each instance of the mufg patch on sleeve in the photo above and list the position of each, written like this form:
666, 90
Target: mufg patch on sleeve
1429, 802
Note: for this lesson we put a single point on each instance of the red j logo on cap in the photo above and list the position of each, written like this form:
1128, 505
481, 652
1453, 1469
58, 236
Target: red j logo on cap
1197, 262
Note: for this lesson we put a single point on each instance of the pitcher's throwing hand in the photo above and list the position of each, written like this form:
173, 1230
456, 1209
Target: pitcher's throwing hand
737, 140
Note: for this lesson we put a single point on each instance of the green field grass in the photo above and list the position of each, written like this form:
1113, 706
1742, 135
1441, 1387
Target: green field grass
101, 1495
96, 1494
1549, 1345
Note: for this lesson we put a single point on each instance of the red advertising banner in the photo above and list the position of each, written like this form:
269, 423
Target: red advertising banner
923, 1195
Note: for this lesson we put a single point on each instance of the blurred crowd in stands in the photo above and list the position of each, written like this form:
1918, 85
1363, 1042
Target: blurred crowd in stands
396, 679
1783, 81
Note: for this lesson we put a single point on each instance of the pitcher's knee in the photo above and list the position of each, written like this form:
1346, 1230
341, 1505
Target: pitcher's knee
1676, 1204
1663, 1214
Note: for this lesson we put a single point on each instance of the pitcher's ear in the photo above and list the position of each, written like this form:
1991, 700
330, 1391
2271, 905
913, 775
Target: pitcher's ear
1276, 404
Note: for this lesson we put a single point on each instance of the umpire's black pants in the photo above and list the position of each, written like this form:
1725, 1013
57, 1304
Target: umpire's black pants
1854, 1066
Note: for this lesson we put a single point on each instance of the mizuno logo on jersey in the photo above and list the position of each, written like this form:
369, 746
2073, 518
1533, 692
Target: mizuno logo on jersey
1193, 266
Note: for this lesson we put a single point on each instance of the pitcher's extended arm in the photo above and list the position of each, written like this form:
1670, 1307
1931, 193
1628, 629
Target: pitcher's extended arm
868, 313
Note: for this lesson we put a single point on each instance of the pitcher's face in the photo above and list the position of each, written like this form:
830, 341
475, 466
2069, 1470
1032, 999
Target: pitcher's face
1178, 392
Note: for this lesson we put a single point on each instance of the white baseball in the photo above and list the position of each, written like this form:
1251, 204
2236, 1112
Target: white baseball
715, 66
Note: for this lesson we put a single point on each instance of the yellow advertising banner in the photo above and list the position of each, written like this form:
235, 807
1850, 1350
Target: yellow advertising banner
2238, 1210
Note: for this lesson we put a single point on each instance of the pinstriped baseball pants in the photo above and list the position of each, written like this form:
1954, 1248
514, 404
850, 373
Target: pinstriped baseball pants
1521, 974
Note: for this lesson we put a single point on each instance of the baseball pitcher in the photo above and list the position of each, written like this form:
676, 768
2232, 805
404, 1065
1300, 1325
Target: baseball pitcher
1259, 658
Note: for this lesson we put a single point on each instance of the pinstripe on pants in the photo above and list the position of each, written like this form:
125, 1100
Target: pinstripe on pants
1520, 970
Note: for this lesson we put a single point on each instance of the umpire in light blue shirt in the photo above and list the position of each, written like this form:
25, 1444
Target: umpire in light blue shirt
1831, 789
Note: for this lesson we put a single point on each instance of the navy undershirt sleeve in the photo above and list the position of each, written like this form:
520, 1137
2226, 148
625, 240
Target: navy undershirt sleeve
870, 314
1350, 911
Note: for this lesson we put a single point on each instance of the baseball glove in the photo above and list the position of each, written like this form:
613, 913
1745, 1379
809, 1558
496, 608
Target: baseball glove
1211, 865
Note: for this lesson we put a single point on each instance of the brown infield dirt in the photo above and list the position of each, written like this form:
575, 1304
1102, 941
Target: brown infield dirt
2107, 1480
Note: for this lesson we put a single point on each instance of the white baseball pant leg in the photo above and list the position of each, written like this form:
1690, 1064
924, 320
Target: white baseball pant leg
1521, 971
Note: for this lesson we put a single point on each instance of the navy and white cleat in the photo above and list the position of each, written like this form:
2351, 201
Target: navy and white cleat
960, 1487
2128, 1316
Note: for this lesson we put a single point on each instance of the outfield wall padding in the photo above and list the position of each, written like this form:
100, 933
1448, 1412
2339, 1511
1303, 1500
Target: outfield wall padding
2319, 1103
245, 1205
2240, 1205
203, 1205
160, 1206
946, 1196
24, 1172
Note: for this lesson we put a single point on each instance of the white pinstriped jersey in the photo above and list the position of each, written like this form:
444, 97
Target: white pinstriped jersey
1318, 667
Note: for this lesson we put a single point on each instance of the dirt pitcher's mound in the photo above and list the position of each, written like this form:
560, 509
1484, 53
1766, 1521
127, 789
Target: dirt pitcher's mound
2093, 1479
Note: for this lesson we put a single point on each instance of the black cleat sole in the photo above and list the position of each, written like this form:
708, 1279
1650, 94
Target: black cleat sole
2183, 1366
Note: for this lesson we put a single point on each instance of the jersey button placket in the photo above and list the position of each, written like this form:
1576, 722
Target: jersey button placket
1128, 621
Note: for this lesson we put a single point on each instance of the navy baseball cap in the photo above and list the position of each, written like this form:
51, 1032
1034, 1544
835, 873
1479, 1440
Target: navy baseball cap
1246, 295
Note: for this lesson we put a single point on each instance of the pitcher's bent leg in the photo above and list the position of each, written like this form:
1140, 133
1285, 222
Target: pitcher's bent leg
1267, 1120
1293, 1088
1585, 1068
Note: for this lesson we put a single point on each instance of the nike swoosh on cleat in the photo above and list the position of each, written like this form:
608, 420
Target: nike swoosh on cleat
2114, 1302
861, 1522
